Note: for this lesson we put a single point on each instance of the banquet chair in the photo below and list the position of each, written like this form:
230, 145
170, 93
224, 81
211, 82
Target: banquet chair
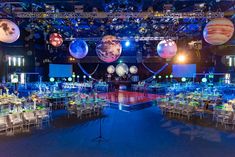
86, 111
15, 121
188, 111
43, 117
228, 117
233, 121
71, 110
162, 106
177, 110
200, 112
3, 124
29, 119
170, 108
220, 117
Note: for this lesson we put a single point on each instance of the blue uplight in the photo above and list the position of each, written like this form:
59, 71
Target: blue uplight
127, 43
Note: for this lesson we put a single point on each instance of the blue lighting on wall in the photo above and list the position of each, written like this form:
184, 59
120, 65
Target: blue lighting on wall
127, 43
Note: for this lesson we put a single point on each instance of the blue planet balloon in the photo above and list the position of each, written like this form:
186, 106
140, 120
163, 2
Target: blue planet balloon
78, 48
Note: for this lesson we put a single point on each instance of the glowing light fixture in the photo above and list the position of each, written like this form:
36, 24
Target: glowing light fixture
204, 80
52, 79
183, 79
181, 58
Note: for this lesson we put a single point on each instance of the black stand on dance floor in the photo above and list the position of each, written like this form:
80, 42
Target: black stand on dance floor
100, 138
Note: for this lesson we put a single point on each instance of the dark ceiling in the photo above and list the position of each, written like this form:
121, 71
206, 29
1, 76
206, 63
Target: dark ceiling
35, 32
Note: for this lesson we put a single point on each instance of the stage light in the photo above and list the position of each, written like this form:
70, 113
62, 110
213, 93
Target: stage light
23, 62
52, 79
70, 79
78, 76
181, 58
171, 76
19, 61
183, 79
84, 76
14, 61
89, 77
167, 76
120, 61
159, 77
22, 78
9, 61
73, 76
154, 77
204, 80
127, 43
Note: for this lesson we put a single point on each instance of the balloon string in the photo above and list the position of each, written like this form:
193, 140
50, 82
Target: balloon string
147, 68
156, 72
86, 73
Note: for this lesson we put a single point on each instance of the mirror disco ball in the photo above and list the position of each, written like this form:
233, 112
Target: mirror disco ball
167, 48
56, 39
133, 69
78, 48
121, 69
218, 31
9, 31
111, 69
109, 49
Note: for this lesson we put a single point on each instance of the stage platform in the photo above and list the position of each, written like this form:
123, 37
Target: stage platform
129, 101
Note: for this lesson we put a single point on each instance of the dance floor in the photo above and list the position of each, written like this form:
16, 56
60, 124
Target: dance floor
127, 100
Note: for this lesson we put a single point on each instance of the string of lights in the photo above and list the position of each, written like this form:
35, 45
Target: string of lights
126, 38
119, 15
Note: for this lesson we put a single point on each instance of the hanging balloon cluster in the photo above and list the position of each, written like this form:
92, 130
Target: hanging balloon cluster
9, 31
122, 69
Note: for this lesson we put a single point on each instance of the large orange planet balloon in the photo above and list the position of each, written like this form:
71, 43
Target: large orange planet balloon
9, 31
56, 39
109, 49
218, 31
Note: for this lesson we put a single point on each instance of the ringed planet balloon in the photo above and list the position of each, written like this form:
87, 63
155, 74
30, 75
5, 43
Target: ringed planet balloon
111, 69
9, 31
56, 39
133, 69
218, 31
121, 69
167, 48
78, 48
109, 49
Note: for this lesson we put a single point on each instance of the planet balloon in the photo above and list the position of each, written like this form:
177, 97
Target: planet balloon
111, 69
109, 49
133, 69
167, 48
56, 39
78, 48
218, 31
9, 31
121, 69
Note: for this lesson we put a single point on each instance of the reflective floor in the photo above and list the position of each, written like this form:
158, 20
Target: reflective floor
142, 133
128, 97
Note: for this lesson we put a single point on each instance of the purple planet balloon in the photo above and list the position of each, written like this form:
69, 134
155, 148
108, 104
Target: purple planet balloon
78, 48
167, 49
109, 49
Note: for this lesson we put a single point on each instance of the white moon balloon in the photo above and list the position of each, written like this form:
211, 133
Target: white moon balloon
121, 69
111, 69
133, 69
9, 31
